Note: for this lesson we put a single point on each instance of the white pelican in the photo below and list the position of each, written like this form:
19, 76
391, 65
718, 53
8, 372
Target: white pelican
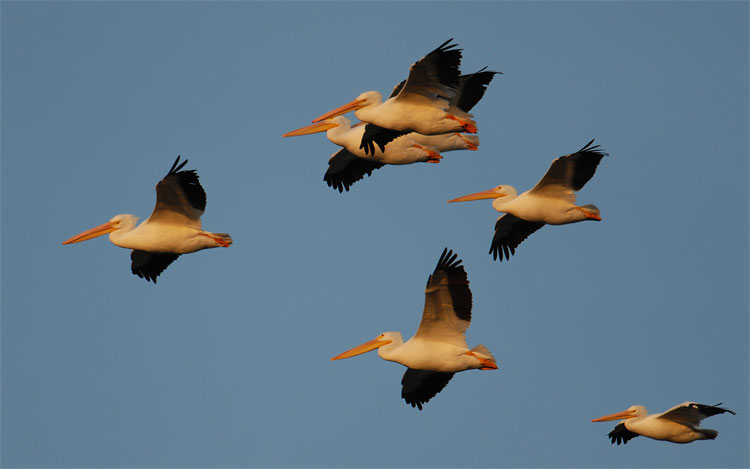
405, 149
438, 349
344, 168
470, 90
680, 424
173, 228
421, 105
551, 201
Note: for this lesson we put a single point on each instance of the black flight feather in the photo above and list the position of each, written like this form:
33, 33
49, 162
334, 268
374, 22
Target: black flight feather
510, 231
149, 265
419, 386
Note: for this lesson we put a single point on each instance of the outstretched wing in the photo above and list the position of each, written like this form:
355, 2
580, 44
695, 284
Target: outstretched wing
345, 168
180, 198
691, 413
569, 173
620, 434
149, 265
471, 88
510, 231
447, 304
435, 74
419, 386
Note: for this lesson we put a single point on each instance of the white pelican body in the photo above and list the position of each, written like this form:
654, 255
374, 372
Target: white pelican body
427, 354
680, 424
438, 349
422, 104
173, 228
448, 107
427, 116
540, 208
159, 237
550, 202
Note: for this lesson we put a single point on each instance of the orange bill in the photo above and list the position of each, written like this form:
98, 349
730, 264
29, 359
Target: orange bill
92, 233
488, 194
351, 106
364, 348
618, 416
311, 129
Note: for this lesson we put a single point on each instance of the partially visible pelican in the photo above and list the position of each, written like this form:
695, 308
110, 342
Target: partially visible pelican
405, 149
438, 350
173, 228
680, 424
421, 105
351, 163
551, 201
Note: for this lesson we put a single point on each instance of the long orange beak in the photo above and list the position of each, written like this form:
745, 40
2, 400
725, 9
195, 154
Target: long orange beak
92, 233
311, 129
352, 106
364, 348
489, 194
618, 416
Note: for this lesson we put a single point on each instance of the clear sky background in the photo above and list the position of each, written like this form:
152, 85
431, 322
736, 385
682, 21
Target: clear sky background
225, 362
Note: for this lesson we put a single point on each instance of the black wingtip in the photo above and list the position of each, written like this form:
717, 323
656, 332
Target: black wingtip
444, 46
490, 71
501, 250
720, 409
336, 184
593, 149
367, 146
344, 169
448, 260
145, 275
473, 87
175, 166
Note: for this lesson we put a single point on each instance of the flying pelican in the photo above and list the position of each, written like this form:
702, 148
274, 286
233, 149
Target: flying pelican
470, 90
351, 163
421, 104
551, 201
173, 228
680, 424
438, 349
405, 149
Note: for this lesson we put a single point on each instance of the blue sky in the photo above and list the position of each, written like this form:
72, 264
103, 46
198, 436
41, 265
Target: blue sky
226, 361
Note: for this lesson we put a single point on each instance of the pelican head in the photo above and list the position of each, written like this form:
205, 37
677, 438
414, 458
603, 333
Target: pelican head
383, 339
633, 411
368, 98
118, 222
322, 126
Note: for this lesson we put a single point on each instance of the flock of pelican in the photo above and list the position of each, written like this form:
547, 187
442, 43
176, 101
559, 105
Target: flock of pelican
426, 114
